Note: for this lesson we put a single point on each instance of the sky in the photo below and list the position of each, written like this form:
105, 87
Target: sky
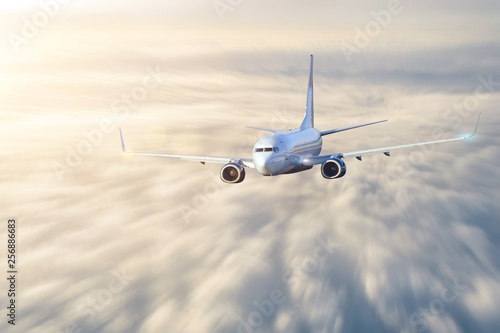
115, 243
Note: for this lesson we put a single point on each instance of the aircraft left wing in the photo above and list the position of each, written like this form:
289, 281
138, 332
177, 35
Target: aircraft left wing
246, 162
309, 161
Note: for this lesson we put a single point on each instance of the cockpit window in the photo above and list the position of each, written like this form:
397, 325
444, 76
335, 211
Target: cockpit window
266, 149
276, 149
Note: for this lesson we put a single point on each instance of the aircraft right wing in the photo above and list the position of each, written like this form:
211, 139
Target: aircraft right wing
246, 162
309, 161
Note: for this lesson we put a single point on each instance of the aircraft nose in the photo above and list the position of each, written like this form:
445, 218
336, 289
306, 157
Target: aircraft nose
262, 164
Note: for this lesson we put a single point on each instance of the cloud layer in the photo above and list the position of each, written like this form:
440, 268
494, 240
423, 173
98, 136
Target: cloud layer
111, 243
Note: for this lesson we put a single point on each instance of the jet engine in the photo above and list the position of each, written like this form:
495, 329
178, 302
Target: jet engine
333, 168
232, 173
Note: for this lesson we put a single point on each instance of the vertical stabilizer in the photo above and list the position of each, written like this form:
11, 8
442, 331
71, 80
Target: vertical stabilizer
308, 121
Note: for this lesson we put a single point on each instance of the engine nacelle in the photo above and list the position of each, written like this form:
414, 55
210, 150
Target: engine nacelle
232, 173
333, 168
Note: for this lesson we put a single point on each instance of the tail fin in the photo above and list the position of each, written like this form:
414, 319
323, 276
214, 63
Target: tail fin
308, 121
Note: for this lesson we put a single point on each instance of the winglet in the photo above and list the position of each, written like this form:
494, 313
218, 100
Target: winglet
123, 143
475, 129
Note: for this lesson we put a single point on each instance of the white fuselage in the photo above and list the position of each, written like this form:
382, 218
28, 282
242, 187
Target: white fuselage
282, 152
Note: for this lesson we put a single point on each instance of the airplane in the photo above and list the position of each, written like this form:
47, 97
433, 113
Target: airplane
293, 150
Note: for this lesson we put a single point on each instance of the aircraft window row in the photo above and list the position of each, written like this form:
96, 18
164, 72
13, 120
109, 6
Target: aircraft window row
267, 149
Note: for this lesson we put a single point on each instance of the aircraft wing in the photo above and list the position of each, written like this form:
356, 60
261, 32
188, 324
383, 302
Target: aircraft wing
309, 161
246, 162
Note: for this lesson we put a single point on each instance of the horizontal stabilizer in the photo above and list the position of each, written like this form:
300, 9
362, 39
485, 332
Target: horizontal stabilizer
265, 129
348, 128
